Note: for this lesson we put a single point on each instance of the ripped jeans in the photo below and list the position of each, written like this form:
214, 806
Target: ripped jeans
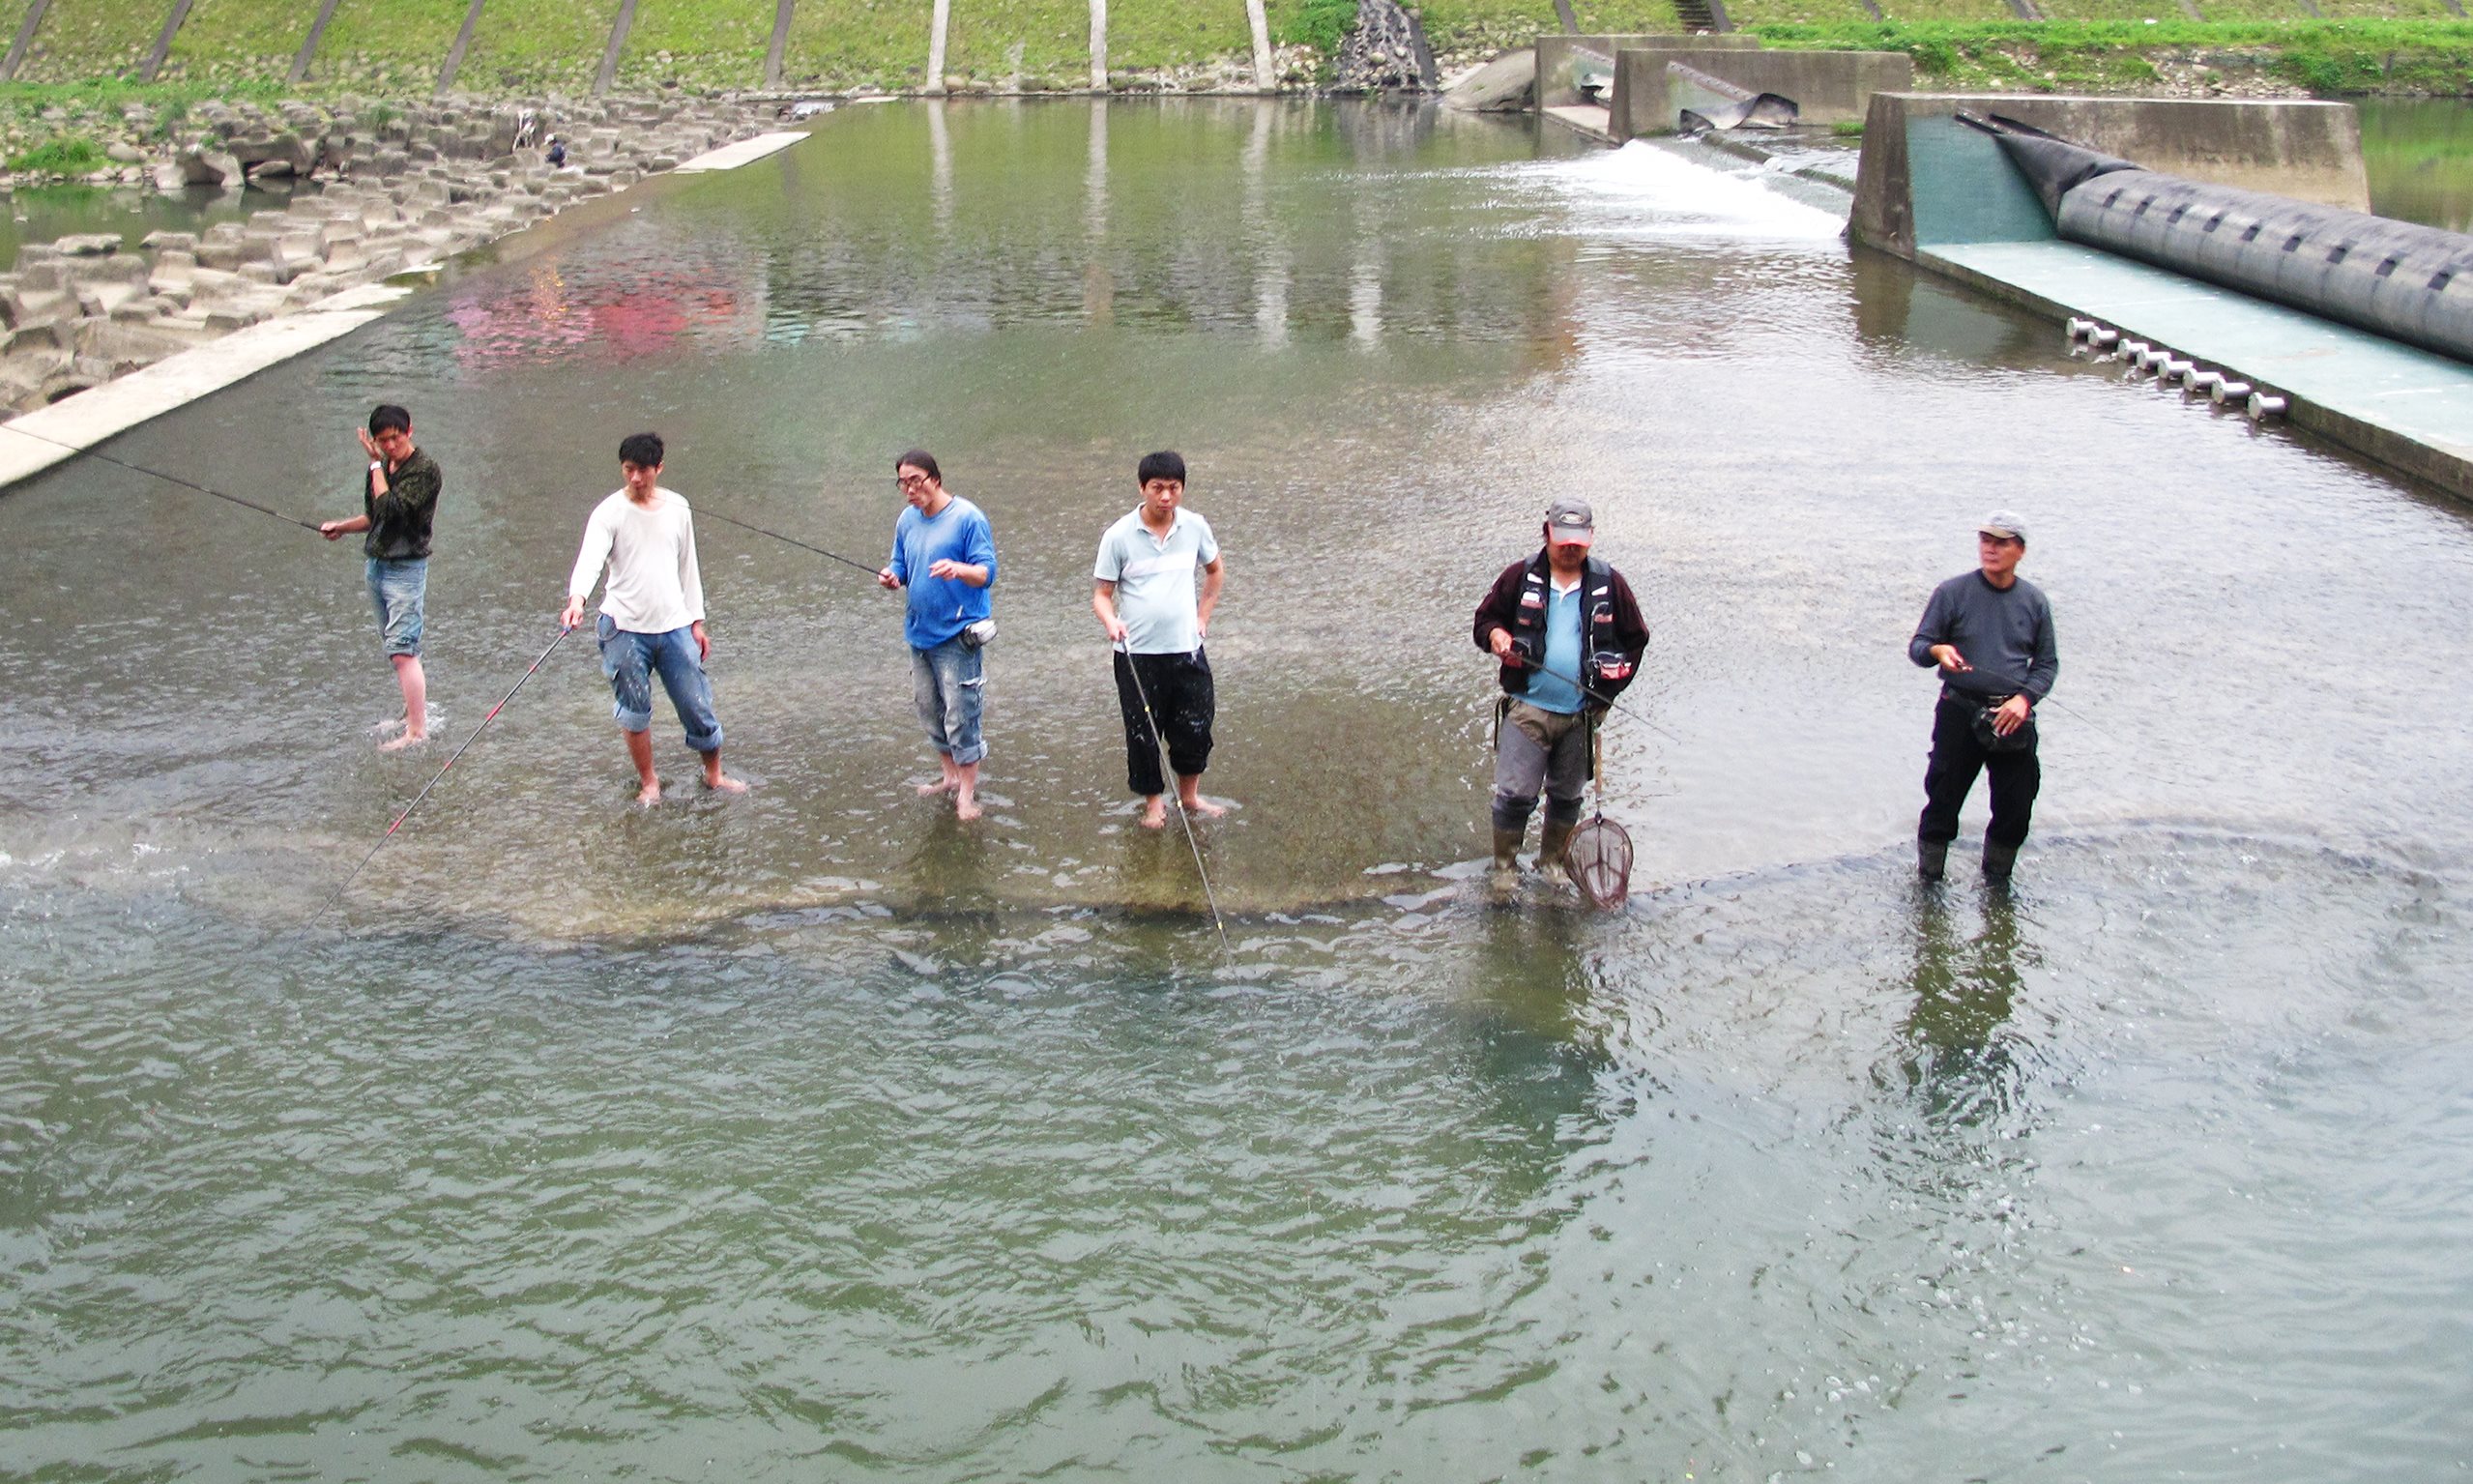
949, 685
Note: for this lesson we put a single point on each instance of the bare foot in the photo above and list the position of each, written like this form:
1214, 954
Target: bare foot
648, 794
407, 739
1155, 815
965, 808
931, 790
1198, 804
723, 783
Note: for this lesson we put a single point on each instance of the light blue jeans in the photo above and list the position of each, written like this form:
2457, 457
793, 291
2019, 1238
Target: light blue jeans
951, 688
399, 591
631, 659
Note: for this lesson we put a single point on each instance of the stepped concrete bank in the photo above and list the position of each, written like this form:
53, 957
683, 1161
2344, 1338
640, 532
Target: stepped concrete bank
1828, 87
1944, 196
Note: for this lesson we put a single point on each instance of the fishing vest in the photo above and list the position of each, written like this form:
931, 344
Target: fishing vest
1605, 660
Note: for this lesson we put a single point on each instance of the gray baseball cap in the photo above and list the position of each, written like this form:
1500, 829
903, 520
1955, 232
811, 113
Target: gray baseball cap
1569, 520
2004, 524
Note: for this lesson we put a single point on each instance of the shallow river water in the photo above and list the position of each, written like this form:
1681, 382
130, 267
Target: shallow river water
808, 1134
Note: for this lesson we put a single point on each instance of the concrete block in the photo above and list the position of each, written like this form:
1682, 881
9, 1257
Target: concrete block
1927, 177
88, 245
170, 241
1828, 87
1558, 59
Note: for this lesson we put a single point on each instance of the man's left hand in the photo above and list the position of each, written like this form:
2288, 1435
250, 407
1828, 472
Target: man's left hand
703, 641
2011, 717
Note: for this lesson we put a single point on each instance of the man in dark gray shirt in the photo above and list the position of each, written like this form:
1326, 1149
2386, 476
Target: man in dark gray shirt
398, 503
1990, 632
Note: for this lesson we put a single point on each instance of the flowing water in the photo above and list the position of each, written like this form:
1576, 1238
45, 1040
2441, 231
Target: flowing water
808, 1134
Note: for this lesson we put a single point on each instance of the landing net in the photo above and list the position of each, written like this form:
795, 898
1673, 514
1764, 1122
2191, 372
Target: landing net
1599, 858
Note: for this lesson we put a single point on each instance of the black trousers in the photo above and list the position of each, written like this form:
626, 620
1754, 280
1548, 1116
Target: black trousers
1957, 757
1181, 697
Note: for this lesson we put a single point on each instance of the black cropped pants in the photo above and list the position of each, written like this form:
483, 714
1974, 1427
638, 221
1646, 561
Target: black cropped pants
1181, 696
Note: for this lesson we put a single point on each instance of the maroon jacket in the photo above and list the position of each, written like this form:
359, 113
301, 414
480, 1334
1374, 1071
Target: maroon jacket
1612, 624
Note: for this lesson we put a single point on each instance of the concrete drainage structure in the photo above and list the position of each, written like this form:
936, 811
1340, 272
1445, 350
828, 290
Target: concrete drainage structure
1946, 197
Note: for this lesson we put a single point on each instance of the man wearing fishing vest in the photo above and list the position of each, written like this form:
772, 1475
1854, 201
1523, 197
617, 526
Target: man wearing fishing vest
1569, 636
1990, 632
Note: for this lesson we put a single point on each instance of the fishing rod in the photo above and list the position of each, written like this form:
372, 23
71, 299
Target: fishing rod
732, 520
337, 894
1169, 765
168, 479
1601, 698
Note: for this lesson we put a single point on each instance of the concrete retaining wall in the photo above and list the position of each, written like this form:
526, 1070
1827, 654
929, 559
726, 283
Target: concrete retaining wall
1829, 87
1926, 177
1554, 86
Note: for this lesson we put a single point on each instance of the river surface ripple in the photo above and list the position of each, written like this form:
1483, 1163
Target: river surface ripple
809, 1135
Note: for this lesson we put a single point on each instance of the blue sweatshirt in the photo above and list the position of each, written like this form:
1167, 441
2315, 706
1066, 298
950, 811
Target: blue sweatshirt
2005, 635
941, 608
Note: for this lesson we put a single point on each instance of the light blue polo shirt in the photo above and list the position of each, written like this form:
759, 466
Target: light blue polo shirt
1562, 653
1154, 576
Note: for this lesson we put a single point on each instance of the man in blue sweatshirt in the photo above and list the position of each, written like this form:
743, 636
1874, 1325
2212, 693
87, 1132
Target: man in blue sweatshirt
1990, 632
945, 556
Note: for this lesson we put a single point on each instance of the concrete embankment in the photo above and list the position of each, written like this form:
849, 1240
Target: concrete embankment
1944, 196
1828, 87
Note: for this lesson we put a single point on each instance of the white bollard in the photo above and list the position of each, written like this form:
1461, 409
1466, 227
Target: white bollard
2104, 339
2202, 381
2262, 406
2232, 391
2080, 327
2179, 370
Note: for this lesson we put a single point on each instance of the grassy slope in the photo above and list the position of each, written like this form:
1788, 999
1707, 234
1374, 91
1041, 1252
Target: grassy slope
2327, 57
854, 42
401, 43
1170, 35
1053, 35
712, 44
82, 38
240, 39
538, 45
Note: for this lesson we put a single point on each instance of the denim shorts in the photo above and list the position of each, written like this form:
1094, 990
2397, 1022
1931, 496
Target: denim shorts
949, 685
631, 659
400, 592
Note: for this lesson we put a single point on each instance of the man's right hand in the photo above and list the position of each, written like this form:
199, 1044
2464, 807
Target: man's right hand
1500, 641
1116, 629
331, 530
1950, 660
887, 579
572, 614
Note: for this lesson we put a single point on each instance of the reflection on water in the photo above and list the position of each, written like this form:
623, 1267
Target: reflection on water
734, 1136
41, 213
2419, 156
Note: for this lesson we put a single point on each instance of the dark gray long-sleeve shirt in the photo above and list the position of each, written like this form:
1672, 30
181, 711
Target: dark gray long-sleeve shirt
2005, 635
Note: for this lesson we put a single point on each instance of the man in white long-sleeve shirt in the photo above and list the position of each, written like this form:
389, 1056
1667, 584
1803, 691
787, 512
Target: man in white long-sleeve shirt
651, 613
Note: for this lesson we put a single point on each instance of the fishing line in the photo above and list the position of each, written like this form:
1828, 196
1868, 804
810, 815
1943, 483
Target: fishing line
168, 479
732, 520
1604, 699
338, 895
1169, 766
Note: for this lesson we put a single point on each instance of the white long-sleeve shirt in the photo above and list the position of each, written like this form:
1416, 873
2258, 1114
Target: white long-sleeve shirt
650, 552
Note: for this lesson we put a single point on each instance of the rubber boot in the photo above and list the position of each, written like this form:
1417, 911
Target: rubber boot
1505, 877
1999, 861
1932, 858
1553, 848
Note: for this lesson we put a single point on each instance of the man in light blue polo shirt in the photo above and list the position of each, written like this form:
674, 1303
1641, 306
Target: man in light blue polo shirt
1144, 592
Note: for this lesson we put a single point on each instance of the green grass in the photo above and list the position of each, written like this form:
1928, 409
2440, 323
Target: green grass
1316, 23
712, 44
2328, 57
83, 39
240, 39
528, 45
1173, 34
388, 43
66, 155
848, 42
1053, 35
